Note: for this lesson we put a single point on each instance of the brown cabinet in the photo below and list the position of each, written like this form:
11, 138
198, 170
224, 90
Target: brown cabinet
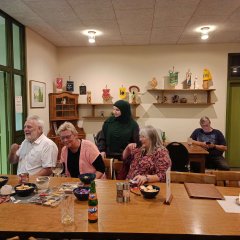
63, 107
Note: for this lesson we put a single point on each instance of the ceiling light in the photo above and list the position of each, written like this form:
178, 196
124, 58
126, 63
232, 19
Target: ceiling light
91, 36
204, 36
204, 32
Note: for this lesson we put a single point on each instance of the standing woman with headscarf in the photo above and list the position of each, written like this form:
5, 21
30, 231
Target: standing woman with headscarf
118, 131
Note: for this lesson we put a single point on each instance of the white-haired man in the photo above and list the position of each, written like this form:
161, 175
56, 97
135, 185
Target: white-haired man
37, 153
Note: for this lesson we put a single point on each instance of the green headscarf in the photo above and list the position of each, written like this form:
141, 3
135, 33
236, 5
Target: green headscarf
125, 109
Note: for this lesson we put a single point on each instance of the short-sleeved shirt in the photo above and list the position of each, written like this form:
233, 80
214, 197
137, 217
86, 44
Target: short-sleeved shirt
215, 137
33, 157
155, 163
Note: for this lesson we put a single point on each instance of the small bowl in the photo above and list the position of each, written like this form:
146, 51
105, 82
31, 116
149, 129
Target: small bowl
22, 191
149, 194
87, 178
3, 180
81, 193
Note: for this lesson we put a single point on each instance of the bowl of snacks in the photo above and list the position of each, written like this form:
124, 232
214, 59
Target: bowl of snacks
81, 193
25, 189
149, 191
87, 178
3, 180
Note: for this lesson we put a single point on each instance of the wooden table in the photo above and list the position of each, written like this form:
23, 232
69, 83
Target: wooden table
197, 154
142, 218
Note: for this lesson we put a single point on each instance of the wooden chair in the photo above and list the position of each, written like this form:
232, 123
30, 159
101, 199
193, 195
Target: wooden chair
188, 177
117, 166
179, 156
227, 178
108, 167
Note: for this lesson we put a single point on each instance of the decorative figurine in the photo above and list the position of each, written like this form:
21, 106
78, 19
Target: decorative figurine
122, 93
207, 77
175, 99
188, 78
195, 98
89, 97
106, 95
134, 90
164, 100
59, 84
153, 83
195, 84
173, 77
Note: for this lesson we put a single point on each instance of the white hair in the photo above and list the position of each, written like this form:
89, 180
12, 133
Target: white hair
36, 118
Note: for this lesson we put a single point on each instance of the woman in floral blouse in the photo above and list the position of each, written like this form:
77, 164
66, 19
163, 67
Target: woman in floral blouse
150, 162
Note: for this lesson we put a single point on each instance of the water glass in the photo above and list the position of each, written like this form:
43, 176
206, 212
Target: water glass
57, 169
42, 182
67, 210
190, 141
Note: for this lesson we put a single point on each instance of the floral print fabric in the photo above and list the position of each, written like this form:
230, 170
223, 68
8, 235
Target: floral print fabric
155, 163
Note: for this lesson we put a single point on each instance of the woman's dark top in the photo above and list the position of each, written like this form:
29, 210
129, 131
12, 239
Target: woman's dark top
73, 163
118, 132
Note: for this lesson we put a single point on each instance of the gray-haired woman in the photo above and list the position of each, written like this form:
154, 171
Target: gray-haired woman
150, 162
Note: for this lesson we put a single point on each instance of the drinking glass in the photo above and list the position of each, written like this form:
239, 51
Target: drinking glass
67, 210
57, 169
189, 141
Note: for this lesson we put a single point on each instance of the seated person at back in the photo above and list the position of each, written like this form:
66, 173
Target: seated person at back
118, 131
79, 155
149, 162
213, 141
37, 153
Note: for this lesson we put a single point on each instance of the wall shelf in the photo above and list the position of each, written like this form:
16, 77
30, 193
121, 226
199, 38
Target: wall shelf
98, 106
203, 96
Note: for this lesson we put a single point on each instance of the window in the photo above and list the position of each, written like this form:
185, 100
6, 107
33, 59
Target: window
13, 103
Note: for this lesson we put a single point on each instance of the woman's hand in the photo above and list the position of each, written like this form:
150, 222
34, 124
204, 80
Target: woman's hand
140, 179
131, 146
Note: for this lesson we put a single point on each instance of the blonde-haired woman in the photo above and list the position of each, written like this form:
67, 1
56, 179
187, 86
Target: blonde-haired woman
79, 155
150, 162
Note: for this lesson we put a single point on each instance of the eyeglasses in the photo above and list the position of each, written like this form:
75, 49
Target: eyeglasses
67, 137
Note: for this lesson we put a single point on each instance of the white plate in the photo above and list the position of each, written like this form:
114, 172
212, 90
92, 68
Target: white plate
12, 193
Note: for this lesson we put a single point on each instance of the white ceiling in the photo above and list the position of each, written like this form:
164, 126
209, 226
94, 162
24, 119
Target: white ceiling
128, 22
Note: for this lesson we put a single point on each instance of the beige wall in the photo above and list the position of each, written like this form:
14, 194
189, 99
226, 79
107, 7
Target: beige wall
42, 65
97, 67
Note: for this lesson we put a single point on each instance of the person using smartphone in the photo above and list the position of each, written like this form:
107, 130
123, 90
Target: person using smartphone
213, 141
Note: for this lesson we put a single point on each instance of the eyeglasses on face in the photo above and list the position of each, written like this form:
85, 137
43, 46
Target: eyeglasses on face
66, 137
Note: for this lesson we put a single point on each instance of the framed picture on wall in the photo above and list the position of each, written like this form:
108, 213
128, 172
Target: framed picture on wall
37, 94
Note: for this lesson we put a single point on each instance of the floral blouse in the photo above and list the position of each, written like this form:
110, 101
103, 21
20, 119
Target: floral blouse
155, 163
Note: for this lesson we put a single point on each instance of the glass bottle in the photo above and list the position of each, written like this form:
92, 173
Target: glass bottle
92, 204
163, 137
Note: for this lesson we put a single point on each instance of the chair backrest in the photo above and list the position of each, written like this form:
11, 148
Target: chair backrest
227, 178
188, 177
117, 167
179, 156
109, 167
97, 136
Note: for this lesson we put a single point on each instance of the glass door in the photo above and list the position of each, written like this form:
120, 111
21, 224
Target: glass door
5, 134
